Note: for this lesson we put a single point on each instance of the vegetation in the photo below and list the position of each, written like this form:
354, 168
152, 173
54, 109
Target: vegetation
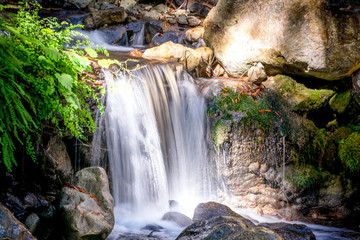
349, 152
40, 80
221, 132
240, 106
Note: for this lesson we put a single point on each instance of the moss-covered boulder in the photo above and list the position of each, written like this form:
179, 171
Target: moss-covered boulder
302, 99
340, 101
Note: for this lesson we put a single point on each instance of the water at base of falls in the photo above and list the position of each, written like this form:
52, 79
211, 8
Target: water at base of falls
155, 134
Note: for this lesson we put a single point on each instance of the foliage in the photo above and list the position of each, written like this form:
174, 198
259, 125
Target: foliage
349, 152
221, 132
39, 81
264, 113
306, 177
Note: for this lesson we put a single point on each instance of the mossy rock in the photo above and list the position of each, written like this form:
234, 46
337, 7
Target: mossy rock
302, 99
349, 152
340, 101
221, 132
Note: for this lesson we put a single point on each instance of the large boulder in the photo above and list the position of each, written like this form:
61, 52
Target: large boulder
88, 214
176, 52
217, 221
99, 18
309, 38
57, 163
79, 3
11, 228
291, 231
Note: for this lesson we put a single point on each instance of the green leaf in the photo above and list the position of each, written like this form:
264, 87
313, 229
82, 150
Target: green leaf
73, 100
66, 80
91, 52
105, 63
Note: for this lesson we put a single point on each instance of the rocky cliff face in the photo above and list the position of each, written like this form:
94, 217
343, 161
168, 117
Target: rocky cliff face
294, 172
312, 38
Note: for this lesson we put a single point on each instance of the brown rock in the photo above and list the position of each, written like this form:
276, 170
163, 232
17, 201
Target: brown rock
99, 18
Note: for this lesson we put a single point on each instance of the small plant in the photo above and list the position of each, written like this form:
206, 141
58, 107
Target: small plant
221, 132
241, 106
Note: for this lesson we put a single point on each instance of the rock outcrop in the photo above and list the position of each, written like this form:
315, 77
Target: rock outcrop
99, 18
216, 221
308, 38
88, 215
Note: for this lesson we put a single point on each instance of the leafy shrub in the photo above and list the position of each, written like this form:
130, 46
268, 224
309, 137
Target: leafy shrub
39, 81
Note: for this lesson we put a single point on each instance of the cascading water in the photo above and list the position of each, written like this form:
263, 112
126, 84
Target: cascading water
155, 133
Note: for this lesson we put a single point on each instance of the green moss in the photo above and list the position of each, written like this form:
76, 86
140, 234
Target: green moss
340, 101
302, 99
305, 177
221, 132
349, 152
265, 114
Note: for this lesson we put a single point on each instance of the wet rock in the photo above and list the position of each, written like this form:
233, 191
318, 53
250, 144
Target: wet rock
294, 37
204, 69
290, 231
178, 218
176, 52
199, 8
79, 3
193, 21
205, 211
85, 216
99, 18
356, 83
257, 74
174, 37
182, 19
153, 227
11, 228
151, 29
340, 101
115, 35
57, 162
32, 221
217, 221
194, 34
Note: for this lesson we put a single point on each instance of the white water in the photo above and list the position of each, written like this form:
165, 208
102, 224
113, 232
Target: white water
139, 38
155, 133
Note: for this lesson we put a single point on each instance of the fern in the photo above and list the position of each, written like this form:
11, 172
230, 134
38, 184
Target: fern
39, 81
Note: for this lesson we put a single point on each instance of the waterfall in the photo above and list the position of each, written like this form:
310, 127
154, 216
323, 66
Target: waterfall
139, 38
155, 134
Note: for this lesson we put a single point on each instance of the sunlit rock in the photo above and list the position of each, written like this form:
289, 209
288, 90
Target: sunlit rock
176, 52
194, 34
299, 37
88, 214
291, 231
257, 74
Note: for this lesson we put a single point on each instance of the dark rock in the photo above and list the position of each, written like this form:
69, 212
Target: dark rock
11, 228
205, 211
153, 227
32, 221
226, 228
151, 29
175, 37
99, 18
57, 163
290, 231
115, 36
178, 218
